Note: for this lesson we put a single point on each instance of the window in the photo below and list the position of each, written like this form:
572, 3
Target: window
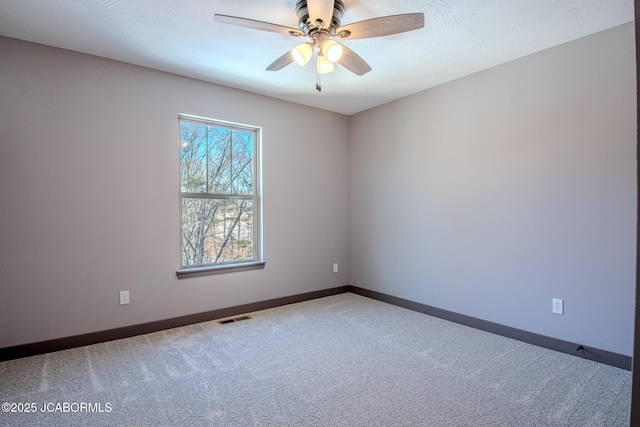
219, 195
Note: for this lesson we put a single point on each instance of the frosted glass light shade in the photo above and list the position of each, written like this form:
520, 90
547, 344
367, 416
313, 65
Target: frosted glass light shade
302, 54
332, 50
324, 66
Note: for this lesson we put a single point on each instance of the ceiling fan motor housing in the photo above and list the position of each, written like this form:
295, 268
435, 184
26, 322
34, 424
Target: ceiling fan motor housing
307, 26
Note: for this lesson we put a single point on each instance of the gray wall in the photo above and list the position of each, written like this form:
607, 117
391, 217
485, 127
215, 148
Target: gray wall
89, 195
491, 195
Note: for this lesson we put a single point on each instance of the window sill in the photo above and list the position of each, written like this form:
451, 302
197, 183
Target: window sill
220, 269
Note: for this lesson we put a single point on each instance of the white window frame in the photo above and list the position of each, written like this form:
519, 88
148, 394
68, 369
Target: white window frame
256, 197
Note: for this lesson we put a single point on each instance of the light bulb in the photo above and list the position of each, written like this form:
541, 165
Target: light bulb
324, 66
302, 54
332, 50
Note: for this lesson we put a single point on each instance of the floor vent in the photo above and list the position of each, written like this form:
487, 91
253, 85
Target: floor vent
234, 319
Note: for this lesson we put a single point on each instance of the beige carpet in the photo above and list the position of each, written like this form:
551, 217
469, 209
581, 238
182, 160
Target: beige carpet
343, 360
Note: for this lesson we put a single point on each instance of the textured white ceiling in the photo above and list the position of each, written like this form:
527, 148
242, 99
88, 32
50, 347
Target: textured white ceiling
460, 37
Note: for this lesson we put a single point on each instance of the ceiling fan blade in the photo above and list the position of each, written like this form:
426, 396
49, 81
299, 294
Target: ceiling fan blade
352, 62
321, 9
281, 62
258, 25
383, 26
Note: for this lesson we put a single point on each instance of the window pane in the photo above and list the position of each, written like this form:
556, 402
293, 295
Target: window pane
219, 160
216, 230
193, 157
242, 162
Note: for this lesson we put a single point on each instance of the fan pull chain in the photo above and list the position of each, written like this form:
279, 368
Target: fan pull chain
318, 82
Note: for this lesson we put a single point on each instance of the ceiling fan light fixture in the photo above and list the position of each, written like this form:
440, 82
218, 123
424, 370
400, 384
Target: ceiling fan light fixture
332, 50
324, 66
320, 20
302, 54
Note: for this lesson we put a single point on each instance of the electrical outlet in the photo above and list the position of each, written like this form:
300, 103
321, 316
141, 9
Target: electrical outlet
124, 297
335, 267
557, 306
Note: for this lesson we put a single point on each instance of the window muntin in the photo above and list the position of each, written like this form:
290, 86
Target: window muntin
219, 198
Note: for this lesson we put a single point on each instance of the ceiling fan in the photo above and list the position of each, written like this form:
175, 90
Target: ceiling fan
320, 21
